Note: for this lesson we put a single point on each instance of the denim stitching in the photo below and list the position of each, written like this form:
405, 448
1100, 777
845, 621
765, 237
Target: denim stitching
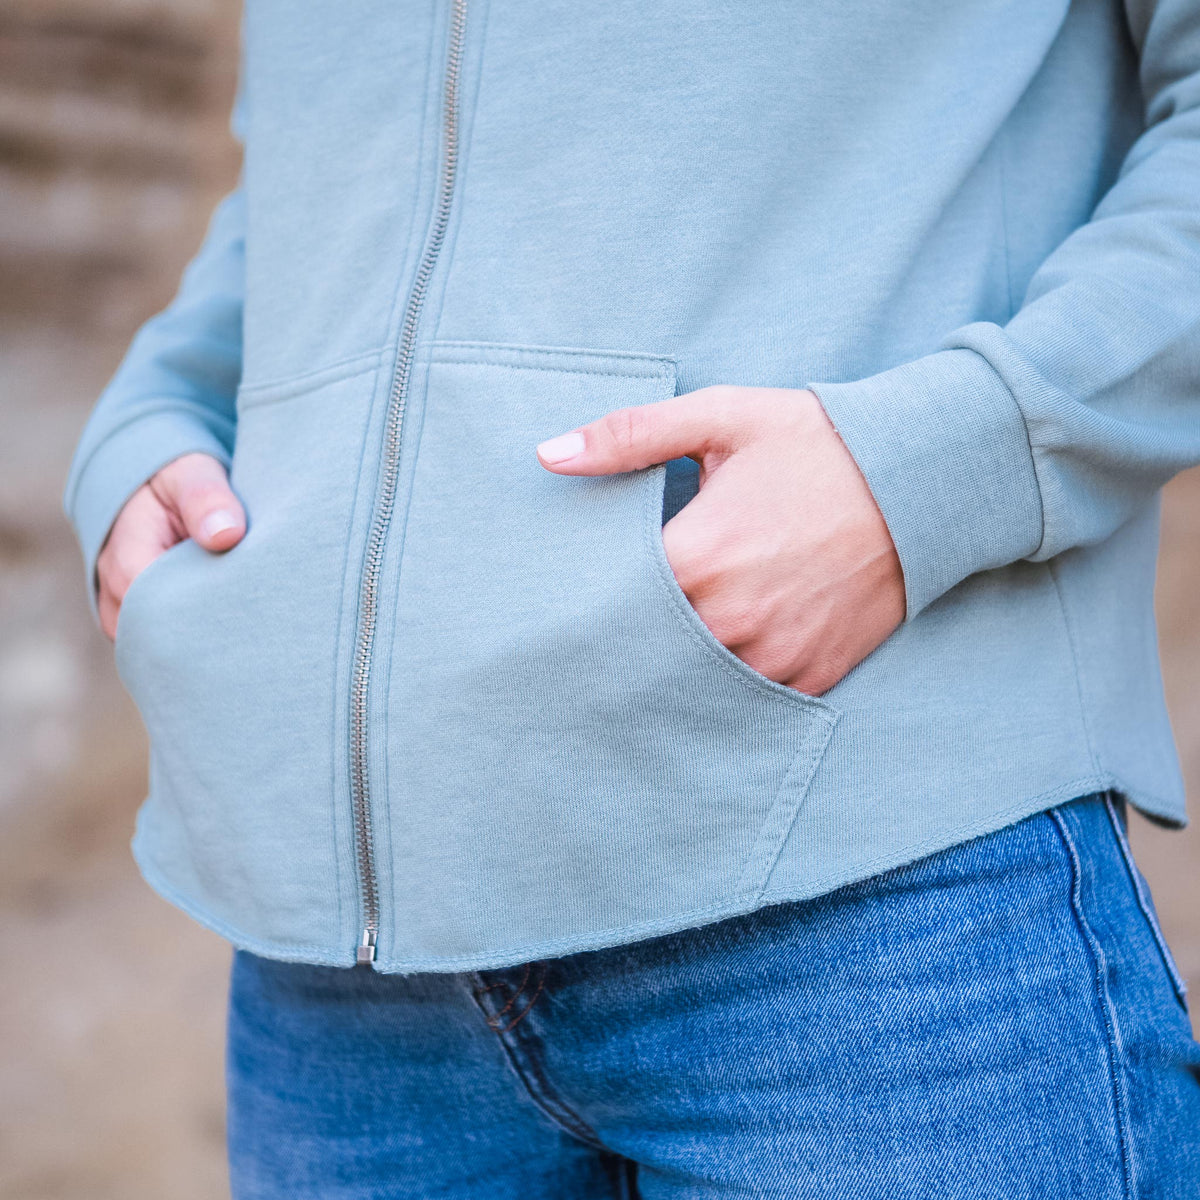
529, 1071
525, 1011
1112, 1033
513, 998
1144, 903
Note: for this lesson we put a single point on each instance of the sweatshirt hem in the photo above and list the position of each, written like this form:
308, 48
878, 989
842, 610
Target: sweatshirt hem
742, 904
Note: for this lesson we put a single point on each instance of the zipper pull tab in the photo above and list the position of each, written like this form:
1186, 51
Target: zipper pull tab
366, 950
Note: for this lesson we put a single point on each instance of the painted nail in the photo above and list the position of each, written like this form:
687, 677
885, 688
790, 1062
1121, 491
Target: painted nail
217, 522
559, 449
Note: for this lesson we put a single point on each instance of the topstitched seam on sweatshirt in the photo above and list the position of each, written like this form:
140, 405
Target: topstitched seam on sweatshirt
1002, 156
344, 635
507, 366
957, 344
437, 347
728, 906
428, 316
769, 839
1076, 674
769, 845
965, 832
291, 387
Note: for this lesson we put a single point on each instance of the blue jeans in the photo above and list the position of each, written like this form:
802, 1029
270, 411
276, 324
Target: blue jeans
1001, 1020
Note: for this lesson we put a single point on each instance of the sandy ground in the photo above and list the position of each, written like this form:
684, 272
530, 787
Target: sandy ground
111, 1002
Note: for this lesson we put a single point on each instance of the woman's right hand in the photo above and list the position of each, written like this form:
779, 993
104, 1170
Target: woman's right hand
189, 497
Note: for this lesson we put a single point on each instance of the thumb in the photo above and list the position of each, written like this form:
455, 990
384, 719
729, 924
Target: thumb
196, 487
694, 425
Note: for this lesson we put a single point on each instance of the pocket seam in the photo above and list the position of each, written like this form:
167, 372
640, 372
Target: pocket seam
121, 638
494, 354
745, 675
1178, 984
256, 395
785, 807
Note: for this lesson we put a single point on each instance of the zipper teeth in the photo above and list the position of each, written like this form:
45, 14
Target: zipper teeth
385, 500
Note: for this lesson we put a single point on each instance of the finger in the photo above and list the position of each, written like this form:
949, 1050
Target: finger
197, 487
694, 425
127, 558
144, 528
107, 608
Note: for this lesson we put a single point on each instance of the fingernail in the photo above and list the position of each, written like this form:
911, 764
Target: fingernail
217, 522
559, 449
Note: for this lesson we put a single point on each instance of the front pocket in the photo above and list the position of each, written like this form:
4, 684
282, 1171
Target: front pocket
128, 613
231, 659
571, 753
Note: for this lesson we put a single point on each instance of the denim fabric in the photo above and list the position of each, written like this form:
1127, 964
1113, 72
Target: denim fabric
1000, 1021
971, 229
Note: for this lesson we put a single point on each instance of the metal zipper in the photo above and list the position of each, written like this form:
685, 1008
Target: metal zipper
385, 496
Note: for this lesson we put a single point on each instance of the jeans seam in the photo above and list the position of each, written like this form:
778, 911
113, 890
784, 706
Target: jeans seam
1111, 1026
527, 1069
1178, 983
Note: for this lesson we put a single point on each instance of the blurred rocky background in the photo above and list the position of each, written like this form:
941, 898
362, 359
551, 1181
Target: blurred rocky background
114, 146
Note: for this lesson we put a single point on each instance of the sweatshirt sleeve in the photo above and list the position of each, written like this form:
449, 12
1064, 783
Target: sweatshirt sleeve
1021, 441
174, 392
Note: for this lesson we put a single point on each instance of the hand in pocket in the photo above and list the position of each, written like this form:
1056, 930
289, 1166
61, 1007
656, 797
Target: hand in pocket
783, 553
189, 497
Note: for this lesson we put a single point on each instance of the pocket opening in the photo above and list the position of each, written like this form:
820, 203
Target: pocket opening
134, 592
690, 619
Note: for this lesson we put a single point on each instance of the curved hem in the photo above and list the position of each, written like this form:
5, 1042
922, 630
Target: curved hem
1153, 806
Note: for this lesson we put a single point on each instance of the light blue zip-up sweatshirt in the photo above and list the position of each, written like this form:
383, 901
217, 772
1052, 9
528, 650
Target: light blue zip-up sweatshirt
442, 709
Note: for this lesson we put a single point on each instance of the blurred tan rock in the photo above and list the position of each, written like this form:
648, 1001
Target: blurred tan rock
113, 146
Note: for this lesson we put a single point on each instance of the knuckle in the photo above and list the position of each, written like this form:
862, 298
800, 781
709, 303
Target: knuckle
723, 410
691, 556
626, 428
773, 664
821, 673
718, 394
201, 494
734, 622
720, 399
188, 466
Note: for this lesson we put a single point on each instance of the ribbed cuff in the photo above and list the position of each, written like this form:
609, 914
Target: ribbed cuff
120, 464
944, 449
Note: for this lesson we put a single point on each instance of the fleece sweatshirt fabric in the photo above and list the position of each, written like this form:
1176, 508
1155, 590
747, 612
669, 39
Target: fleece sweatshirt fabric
443, 709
